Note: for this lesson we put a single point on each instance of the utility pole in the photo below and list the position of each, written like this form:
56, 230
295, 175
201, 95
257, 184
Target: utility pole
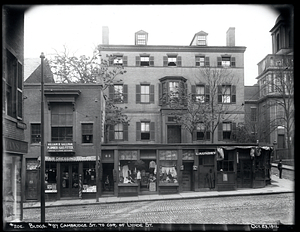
42, 56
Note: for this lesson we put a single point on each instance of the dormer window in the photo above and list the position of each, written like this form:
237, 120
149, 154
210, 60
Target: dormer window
141, 38
201, 40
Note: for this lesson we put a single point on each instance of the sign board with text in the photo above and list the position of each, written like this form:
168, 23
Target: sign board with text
60, 147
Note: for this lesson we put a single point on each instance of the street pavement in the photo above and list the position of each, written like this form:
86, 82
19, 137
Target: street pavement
277, 186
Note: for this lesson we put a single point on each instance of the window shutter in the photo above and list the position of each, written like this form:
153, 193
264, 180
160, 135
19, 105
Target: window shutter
111, 133
111, 91
178, 61
220, 131
138, 131
233, 131
207, 61
151, 61
219, 93
19, 92
137, 61
195, 135
193, 92
232, 61
111, 60
125, 131
165, 61
219, 61
152, 131
184, 91
207, 93
138, 94
125, 62
151, 93
160, 94
207, 135
233, 94
125, 94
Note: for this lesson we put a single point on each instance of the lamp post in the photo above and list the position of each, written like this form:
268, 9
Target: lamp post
42, 56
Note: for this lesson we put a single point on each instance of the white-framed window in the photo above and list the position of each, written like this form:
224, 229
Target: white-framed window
145, 130
200, 93
145, 61
226, 130
118, 130
141, 39
118, 60
172, 60
173, 89
200, 61
226, 61
201, 40
118, 93
145, 93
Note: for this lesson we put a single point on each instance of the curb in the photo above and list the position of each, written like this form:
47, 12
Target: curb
171, 198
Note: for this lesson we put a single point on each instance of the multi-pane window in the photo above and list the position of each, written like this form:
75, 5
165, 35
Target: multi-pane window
173, 89
226, 94
226, 130
225, 61
118, 131
118, 93
141, 39
145, 130
227, 164
200, 61
172, 60
35, 133
145, 61
13, 82
145, 93
200, 131
201, 40
200, 93
62, 122
87, 132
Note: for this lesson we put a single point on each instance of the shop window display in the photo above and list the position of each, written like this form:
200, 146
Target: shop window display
168, 172
147, 175
89, 177
50, 178
127, 172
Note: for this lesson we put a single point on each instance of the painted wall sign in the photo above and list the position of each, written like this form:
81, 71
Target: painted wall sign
60, 147
70, 159
13, 145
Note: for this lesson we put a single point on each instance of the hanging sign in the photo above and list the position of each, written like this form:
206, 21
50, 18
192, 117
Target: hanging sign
60, 147
206, 153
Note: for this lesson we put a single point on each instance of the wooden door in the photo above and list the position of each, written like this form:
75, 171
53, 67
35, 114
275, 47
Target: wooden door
32, 179
187, 176
69, 180
244, 173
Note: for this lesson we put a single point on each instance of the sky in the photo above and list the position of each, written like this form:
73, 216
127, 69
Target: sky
79, 27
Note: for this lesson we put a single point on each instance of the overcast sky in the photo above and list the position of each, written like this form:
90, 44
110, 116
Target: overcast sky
79, 27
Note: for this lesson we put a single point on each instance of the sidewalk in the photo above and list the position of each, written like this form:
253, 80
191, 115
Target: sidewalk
277, 186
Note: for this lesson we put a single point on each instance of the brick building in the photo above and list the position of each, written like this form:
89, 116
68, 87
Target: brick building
72, 137
272, 99
14, 144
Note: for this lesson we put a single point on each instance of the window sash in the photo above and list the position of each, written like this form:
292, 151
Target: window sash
118, 131
145, 127
35, 133
61, 134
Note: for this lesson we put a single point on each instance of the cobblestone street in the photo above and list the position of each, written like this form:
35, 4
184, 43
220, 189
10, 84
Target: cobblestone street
220, 210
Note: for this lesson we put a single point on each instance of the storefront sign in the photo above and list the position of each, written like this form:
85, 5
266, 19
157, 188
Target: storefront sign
60, 147
206, 153
70, 159
13, 145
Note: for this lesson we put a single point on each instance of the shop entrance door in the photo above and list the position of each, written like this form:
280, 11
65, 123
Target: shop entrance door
69, 180
187, 175
174, 134
244, 173
32, 178
107, 178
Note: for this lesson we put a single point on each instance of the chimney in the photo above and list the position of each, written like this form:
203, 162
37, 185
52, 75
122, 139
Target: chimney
105, 35
230, 37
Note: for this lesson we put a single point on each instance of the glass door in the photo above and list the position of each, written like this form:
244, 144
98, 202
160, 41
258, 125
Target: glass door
69, 180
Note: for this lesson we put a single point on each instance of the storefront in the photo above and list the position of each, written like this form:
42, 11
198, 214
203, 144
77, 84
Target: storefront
166, 169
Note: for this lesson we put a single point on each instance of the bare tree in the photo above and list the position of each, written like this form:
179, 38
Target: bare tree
280, 88
71, 69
